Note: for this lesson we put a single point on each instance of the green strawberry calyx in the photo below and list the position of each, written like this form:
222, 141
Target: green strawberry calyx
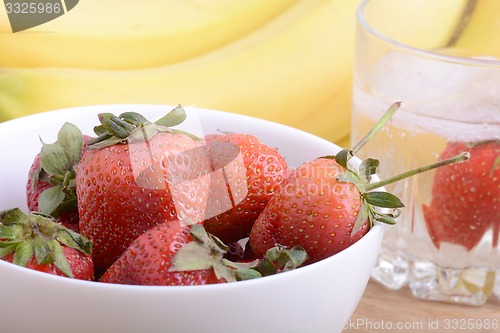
130, 127
38, 235
206, 251
58, 163
379, 206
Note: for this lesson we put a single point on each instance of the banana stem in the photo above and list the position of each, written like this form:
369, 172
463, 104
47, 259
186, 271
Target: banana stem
378, 126
458, 158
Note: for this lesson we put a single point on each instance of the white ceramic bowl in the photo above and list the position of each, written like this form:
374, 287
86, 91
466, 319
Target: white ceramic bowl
317, 298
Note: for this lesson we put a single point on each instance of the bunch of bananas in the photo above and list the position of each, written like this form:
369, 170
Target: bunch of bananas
288, 61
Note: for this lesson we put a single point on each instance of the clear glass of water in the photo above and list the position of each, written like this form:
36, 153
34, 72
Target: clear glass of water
441, 60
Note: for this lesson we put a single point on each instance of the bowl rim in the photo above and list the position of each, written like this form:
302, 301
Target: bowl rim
374, 232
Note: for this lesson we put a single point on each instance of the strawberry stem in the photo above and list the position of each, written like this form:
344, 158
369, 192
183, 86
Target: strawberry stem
378, 126
458, 158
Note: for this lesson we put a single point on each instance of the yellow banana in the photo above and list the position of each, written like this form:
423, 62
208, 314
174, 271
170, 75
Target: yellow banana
441, 19
480, 33
295, 70
118, 34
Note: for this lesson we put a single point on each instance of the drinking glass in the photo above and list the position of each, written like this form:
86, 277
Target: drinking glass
440, 59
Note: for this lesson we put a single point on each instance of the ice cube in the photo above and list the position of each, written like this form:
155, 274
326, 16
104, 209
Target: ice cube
454, 98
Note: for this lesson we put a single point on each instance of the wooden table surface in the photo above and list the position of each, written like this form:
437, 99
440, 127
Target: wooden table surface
386, 310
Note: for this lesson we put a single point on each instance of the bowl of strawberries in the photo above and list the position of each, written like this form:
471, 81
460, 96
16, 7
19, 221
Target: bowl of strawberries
153, 218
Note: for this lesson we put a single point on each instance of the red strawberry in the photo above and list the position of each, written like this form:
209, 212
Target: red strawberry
252, 171
137, 175
312, 209
40, 243
465, 197
326, 206
150, 257
175, 253
51, 188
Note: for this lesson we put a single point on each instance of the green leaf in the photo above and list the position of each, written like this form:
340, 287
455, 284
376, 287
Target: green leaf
100, 130
7, 249
68, 177
119, 127
292, 258
199, 233
207, 240
8, 233
13, 216
9, 242
43, 253
71, 183
54, 159
192, 256
105, 142
266, 267
74, 240
104, 119
280, 258
241, 265
60, 260
115, 126
217, 245
342, 157
368, 168
23, 253
175, 117
101, 137
385, 219
246, 274
134, 118
71, 139
51, 199
383, 199
273, 253
363, 215
223, 272
35, 176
